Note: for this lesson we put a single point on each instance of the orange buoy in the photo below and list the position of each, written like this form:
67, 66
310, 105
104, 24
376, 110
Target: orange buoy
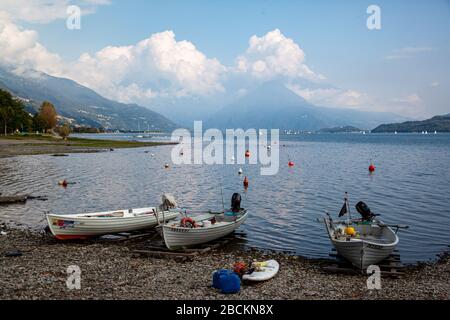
245, 182
291, 163
247, 154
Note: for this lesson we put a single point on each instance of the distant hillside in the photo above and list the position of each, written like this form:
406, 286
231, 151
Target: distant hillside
437, 123
272, 105
79, 104
344, 129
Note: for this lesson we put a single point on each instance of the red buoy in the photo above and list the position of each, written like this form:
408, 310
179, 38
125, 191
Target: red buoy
245, 182
372, 168
247, 154
291, 163
63, 183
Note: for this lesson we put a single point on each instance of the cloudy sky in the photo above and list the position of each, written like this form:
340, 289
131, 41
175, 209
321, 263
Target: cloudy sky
138, 51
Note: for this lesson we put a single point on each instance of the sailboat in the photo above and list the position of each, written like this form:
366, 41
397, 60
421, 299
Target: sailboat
139, 131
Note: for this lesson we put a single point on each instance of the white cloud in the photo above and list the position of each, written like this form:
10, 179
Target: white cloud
333, 97
274, 55
162, 66
408, 52
157, 65
434, 84
410, 105
44, 11
412, 99
21, 49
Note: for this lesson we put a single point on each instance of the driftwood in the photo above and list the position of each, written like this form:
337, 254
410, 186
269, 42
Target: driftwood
13, 199
20, 199
159, 250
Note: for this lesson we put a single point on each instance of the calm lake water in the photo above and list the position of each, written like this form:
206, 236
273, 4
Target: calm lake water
410, 186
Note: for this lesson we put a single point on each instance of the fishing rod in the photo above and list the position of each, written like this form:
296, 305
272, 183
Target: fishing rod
221, 192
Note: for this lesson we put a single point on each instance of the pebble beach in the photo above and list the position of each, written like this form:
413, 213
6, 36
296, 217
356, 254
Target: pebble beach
111, 270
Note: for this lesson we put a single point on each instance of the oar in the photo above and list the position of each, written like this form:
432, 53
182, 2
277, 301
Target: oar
398, 226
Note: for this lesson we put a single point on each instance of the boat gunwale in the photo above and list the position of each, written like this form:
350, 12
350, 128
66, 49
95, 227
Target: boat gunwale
212, 227
84, 217
363, 241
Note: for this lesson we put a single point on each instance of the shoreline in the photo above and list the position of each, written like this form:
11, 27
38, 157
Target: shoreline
110, 270
12, 146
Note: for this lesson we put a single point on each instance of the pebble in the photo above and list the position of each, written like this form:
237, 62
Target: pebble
109, 271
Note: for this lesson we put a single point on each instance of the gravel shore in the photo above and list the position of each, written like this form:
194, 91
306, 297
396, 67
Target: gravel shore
18, 146
110, 270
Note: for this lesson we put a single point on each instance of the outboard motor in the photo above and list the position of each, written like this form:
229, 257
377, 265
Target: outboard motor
364, 211
236, 202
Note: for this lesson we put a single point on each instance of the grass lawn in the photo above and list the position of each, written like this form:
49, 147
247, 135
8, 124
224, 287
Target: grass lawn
79, 142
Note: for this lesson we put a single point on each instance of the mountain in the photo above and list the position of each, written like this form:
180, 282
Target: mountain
79, 104
437, 123
344, 129
272, 105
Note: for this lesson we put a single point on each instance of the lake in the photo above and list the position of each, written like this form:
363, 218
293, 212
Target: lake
410, 186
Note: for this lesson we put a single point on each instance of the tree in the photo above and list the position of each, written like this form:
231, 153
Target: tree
12, 115
38, 123
48, 115
64, 131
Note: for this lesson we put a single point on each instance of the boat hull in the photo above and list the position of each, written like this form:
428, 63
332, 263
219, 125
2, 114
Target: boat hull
362, 253
66, 227
177, 237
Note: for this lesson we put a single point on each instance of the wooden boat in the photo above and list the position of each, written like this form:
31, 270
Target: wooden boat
364, 241
188, 232
85, 225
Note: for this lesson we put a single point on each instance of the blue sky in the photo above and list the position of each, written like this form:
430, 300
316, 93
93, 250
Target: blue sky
407, 61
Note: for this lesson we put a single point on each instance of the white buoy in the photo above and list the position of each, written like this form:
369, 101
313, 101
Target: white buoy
240, 171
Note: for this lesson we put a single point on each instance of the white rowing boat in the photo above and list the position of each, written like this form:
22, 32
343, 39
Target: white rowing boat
191, 231
85, 225
207, 228
372, 242
201, 229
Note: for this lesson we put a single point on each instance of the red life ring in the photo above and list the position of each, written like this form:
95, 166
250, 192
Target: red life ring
188, 223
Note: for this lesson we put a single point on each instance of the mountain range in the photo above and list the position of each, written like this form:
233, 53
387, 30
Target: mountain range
78, 104
267, 105
437, 123
273, 105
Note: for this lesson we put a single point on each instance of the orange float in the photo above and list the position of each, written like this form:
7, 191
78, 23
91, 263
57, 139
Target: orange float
245, 182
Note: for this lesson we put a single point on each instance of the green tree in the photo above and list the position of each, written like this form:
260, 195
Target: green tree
12, 114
